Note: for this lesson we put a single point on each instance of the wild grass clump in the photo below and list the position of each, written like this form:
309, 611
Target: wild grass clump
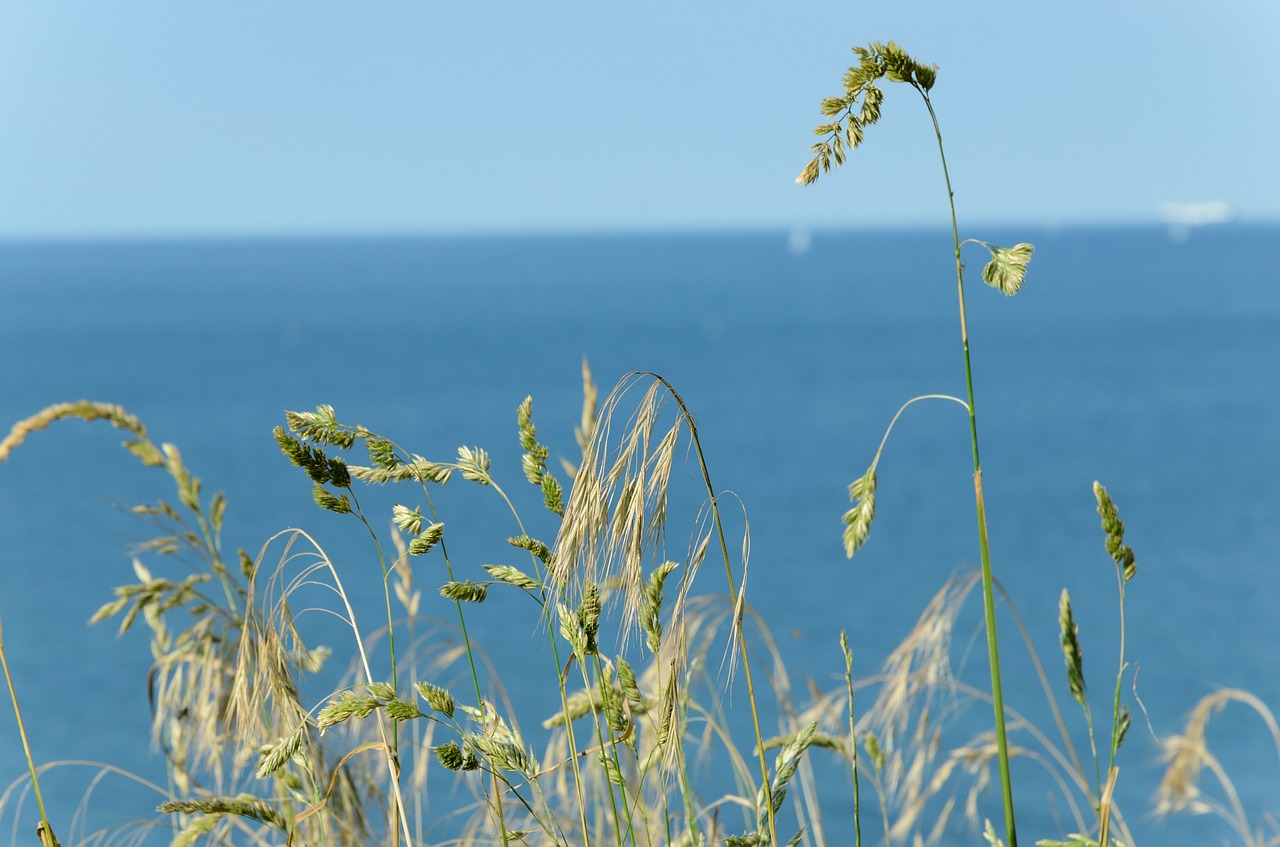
414, 738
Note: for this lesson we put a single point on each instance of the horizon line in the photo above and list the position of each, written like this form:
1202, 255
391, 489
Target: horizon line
712, 230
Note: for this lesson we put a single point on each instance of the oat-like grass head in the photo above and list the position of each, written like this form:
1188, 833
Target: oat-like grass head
616, 515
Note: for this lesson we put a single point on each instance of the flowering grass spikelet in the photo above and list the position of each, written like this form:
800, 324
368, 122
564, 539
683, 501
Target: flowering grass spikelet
857, 521
1070, 639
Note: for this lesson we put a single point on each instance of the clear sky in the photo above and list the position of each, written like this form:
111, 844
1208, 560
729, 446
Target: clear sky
156, 117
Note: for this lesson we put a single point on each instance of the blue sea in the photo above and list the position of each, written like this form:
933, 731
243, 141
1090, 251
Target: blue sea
1143, 360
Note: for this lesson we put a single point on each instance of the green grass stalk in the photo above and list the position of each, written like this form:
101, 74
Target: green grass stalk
856, 110
988, 591
47, 829
739, 635
853, 739
560, 677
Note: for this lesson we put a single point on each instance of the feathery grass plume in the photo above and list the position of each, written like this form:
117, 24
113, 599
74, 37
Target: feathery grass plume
188, 686
651, 609
630, 687
534, 460
348, 705
270, 654
1114, 528
275, 756
409, 598
244, 805
382, 453
921, 663
233, 649
321, 426
406, 519
499, 741
473, 464
612, 701
534, 546
857, 521
617, 507
513, 576
504, 754
452, 757
1007, 268
464, 591
417, 469
585, 431
1123, 722
571, 630
784, 768
436, 697
1188, 754
589, 616
859, 105
426, 539
1070, 638
313, 460
402, 710
325, 499
901, 740
140, 445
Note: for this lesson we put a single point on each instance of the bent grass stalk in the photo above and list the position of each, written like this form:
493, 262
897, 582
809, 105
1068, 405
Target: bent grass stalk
737, 633
858, 108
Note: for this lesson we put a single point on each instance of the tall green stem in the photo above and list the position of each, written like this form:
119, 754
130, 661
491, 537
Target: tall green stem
733, 594
988, 593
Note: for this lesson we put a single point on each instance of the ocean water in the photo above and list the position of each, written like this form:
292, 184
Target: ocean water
1146, 362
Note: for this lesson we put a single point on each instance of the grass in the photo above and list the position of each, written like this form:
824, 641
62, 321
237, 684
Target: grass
400, 729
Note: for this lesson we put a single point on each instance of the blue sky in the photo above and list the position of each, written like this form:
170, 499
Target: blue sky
150, 117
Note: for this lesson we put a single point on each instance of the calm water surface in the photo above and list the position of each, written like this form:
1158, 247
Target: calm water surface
1147, 363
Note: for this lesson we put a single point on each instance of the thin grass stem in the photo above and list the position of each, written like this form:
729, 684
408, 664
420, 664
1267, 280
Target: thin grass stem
26, 746
988, 594
853, 739
739, 636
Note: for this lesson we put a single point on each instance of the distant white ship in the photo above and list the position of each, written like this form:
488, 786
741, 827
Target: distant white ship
1181, 217
1197, 214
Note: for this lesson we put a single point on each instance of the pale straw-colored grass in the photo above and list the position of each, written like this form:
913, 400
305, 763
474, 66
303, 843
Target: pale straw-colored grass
1188, 755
